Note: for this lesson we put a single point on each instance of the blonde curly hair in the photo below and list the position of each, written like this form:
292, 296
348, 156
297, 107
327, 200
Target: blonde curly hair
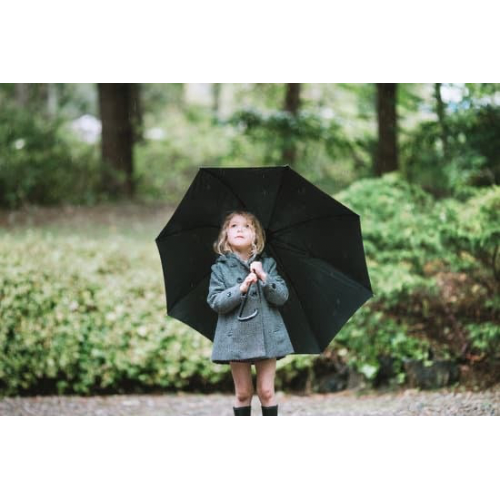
221, 245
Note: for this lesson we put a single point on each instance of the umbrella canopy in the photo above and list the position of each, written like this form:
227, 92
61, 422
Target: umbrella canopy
315, 240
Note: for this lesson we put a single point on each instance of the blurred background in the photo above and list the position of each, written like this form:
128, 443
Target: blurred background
90, 174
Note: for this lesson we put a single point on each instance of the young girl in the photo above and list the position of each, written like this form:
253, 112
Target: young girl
246, 292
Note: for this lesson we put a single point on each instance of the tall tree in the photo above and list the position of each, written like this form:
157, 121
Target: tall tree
292, 105
386, 159
117, 137
441, 117
22, 94
40, 98
216, 92
52, 99
137, 112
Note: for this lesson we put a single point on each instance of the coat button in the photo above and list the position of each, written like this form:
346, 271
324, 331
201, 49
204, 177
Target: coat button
273, 285
229, 294
253, 294
239, 280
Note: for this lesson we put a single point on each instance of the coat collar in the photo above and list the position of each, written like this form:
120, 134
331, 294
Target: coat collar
232, 257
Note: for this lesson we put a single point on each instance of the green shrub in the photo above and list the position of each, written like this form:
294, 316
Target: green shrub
409, 240
485, 337
43, 164
82, 317
472, 233
470, 158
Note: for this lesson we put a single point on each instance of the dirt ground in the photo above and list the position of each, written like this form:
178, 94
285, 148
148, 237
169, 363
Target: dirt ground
347, 403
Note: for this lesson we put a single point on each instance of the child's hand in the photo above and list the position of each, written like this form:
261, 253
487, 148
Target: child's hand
251, 278
256, 267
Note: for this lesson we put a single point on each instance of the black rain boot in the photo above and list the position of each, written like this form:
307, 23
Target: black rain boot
242, 411
270, 411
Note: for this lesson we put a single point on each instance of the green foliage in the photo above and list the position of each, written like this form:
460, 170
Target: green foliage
399, 232
480, 129
471, 156
398, 222
192, 138
158, 97
409, 239
333, 136
372, 335
81, 317
279, 130
40, 163
472, 231
485, 337
477, 94
166, 166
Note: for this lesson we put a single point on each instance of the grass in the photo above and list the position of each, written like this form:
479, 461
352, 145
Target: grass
138, 223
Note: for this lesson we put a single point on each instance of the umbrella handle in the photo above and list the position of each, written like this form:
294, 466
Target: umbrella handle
246, 318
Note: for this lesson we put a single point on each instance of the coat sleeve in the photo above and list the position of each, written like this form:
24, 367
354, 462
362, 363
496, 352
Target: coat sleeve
221, 299
275, 289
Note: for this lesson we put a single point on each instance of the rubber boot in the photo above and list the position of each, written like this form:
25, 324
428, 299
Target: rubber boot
270, 411
242, 411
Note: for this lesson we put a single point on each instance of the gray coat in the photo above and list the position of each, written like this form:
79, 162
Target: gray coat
265, 335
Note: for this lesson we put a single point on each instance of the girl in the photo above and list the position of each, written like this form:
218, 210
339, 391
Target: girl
246, 293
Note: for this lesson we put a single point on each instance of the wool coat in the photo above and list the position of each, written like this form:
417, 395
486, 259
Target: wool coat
265, 335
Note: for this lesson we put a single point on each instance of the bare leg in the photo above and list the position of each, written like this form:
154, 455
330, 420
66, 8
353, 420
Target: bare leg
243, 385
266, 370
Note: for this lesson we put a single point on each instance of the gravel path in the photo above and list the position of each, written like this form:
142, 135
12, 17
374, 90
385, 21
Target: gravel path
405, 402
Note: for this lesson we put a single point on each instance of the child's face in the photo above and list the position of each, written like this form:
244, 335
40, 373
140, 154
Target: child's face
240, 233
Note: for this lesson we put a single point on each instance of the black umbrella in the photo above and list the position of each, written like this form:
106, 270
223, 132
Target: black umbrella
315, 240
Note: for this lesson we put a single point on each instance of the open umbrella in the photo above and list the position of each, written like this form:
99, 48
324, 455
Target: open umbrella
315, 240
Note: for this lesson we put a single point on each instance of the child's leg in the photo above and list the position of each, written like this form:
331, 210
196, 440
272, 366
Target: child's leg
266, 370
243, 385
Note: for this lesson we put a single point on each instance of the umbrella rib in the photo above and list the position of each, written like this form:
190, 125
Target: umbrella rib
276, 198
297, 295
226, 185
288, 246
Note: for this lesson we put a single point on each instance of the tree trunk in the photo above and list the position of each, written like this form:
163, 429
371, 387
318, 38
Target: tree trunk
117, 137
292, 98
52, 99
441, 117
22, 94
40, 98
292, 105
136, 113
387, 151
216, 91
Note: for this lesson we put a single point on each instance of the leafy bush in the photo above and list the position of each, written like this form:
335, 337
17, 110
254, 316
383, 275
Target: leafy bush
412, 244
41, 163
85, 317
472, 232
471, 157
485, 337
